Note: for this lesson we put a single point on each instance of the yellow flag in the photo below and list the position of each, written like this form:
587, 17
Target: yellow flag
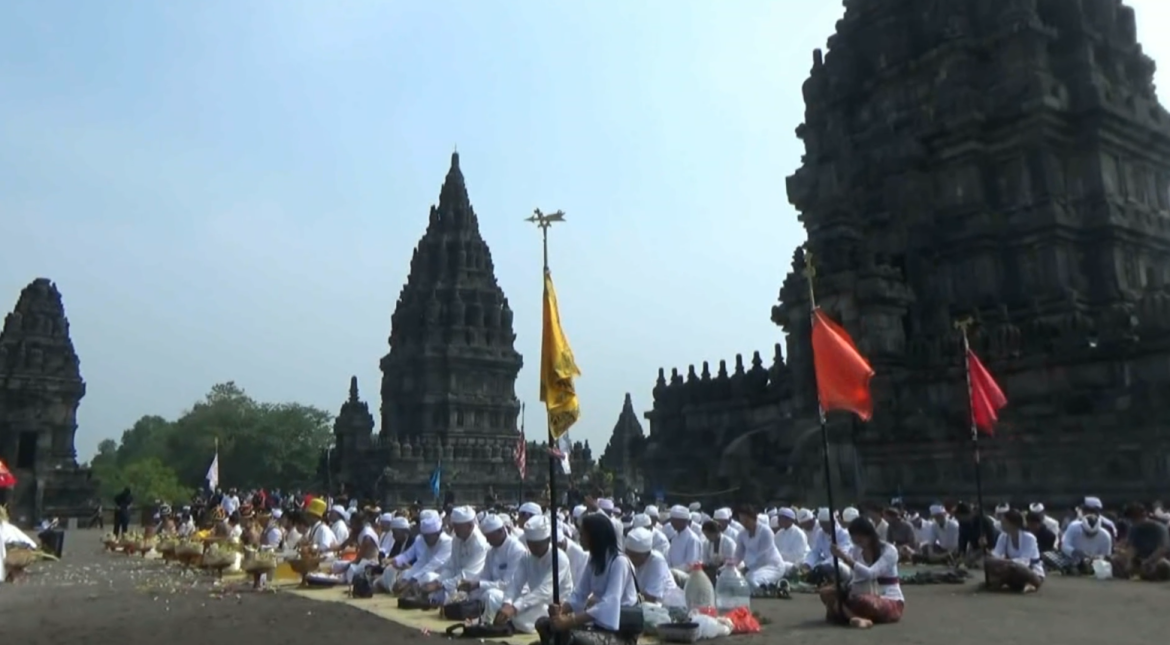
557, 367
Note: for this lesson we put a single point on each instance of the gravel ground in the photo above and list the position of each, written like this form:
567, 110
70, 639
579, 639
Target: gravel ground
93, 597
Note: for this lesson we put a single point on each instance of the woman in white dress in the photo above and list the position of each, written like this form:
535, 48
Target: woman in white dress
592, 616
874, 596
1014, 563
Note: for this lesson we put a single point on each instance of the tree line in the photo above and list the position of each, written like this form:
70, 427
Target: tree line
261, 445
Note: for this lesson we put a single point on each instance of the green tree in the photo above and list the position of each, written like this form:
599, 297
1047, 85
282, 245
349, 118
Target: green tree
259, 444
148, 479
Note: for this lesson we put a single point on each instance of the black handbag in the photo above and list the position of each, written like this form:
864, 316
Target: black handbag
463, 610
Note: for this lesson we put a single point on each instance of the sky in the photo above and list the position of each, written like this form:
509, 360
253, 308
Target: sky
229, 190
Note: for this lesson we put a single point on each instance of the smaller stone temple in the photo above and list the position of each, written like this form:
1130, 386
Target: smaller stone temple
622, 455
40, 390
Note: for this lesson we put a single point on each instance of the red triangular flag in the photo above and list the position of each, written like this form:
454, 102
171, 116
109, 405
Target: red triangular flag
986, 397
842, 373
7, 479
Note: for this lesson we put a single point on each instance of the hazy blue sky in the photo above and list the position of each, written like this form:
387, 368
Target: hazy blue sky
231, 190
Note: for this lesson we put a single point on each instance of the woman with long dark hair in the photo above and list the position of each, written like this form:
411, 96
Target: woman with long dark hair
593, 614
1014, 563
875, 595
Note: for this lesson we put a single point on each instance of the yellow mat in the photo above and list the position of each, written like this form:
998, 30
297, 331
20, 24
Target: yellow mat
386, 607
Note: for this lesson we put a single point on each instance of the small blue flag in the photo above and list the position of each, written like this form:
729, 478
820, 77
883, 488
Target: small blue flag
436, 480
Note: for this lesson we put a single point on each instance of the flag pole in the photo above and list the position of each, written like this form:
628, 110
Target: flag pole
810, 272
544, 222
963, 326
522, 470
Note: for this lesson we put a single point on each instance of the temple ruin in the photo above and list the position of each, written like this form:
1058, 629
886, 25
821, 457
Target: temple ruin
1006, 160
40, 390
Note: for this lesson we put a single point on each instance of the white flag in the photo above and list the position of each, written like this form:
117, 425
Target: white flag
565, 447
213, 473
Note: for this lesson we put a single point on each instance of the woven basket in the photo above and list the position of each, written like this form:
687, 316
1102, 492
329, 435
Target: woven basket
305, 564
259, 565
678, 632
19, 558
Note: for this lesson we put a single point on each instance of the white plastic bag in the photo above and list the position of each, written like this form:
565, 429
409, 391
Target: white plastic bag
1102, 569
654, 614
710, 627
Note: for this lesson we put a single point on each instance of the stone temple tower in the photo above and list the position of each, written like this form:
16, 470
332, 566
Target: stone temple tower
1005, 160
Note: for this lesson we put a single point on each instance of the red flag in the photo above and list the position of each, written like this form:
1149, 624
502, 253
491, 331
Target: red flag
7, 479
986, 397
842, 373
520, 454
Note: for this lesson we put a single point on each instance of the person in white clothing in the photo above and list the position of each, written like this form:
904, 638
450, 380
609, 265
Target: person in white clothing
318, 536
503, 560
660, 542
755, 548
718, 547
1085, 540
578, 558
874, 594
723, 518
686, 548
339, 523
655, 580
791, 541
941, 544
819, 561
1014, 563
420, 564
469, 552
273, 535
529, 593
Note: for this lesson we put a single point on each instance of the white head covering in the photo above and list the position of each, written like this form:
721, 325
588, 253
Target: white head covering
491, 522
531, 508
694, 507
697, 518
386, 518
652, 511
850, 514
639, 541
723, 513
786, 512
400, 524
1090, 524
679, 513
1002, 508
427, 512
537, 528
804, 515
430, 525
774, 521
462, 515
578, 511
938, 509
823, 515
1093, 503
605, 504
277, 513
641, 521
340, 510
1036, 507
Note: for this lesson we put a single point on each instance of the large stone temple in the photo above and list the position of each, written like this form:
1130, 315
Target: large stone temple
40, 390
449, 380
1005, 160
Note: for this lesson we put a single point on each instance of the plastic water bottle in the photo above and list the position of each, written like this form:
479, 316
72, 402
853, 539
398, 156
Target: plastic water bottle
698, 590
731, 589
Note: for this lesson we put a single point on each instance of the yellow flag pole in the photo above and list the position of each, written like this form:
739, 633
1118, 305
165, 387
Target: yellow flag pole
544, 222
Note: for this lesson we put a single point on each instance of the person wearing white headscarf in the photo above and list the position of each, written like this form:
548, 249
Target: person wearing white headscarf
655, 580
527, 511
1085, 541
273, 535
1052, 523
606, 506
469, 551
755, 549
395, 540
420, 563
723, 517
942, 543
820, 553
339, 523
503, 560
791, 541
686, 548
660, 543
530, 591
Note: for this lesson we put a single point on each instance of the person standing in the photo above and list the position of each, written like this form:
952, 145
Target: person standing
122, 504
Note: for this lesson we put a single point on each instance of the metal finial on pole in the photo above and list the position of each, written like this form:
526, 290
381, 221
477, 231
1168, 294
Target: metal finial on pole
544, 222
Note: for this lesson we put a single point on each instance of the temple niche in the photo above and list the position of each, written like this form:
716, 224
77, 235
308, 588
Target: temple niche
40, 390
449, 379
1001, 160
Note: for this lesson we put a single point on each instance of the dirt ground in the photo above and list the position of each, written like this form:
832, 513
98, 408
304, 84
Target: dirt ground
92, 597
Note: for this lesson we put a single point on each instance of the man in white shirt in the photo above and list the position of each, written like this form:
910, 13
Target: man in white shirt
503, 559
420, 564
723, 519
755, 549
527, 511
530, 591
686, 548
655, 580
791, 541
718, 547
1085, 540
820, 554
319, 535
942, 543
339, 523
468, 554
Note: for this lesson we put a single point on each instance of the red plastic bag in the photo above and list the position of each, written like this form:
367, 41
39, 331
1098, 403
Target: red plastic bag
742, 621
